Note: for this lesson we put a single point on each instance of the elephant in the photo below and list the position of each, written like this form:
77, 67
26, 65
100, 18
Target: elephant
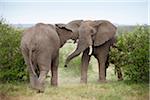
94, 38
40, 48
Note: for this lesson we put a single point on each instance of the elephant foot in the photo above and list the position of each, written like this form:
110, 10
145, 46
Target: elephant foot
120, 79
39, 91
33, 86
39, 87
54, 84
102, 81
33, 82
83, 81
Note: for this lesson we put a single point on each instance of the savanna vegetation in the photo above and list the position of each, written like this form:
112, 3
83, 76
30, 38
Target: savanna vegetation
131, 54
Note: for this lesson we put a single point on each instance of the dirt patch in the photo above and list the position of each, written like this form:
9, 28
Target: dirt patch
4, 96
20, 98
35, 97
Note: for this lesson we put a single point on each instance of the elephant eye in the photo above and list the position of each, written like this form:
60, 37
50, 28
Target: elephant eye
92, 31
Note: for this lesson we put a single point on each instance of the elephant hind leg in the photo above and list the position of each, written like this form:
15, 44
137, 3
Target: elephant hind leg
119, 73
54, 71
32, 77
102, 59
43, 71
101, 54
106, 64
41, 79
102, 70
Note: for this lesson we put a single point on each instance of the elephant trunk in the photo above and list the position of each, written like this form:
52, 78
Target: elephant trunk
78, 50
71, 56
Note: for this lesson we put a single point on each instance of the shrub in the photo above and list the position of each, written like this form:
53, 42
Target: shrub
132, 54
12, 67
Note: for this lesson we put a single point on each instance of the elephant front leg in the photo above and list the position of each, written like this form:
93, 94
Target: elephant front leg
84, 65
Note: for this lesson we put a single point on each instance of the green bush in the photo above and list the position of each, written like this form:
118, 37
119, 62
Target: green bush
132, 54
12, 67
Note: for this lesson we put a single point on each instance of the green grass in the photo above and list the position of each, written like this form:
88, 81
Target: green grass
91, 91
70, 88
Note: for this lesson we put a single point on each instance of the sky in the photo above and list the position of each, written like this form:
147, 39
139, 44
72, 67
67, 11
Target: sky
126, 12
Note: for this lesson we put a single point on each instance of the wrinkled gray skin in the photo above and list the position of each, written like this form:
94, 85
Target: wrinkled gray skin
40, 48
100, 35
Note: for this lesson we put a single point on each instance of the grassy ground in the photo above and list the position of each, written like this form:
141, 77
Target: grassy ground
70, 88
92, 91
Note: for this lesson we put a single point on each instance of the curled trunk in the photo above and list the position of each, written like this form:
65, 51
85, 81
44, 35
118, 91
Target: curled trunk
80, 48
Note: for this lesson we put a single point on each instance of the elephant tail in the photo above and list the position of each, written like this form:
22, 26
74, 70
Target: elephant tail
30, 62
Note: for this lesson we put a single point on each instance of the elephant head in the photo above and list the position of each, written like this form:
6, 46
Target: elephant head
63, 33
74, 26
92, 33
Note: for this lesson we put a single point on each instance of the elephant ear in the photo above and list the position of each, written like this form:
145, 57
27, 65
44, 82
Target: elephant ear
63, 26
63, 33
74, 26
105, 31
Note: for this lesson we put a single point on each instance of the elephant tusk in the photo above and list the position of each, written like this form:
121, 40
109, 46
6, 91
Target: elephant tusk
90, 52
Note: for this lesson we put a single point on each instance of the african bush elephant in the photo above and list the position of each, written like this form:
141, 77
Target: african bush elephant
40, 48
94, 38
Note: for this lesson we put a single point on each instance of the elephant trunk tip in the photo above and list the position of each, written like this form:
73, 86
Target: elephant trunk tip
65, 66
